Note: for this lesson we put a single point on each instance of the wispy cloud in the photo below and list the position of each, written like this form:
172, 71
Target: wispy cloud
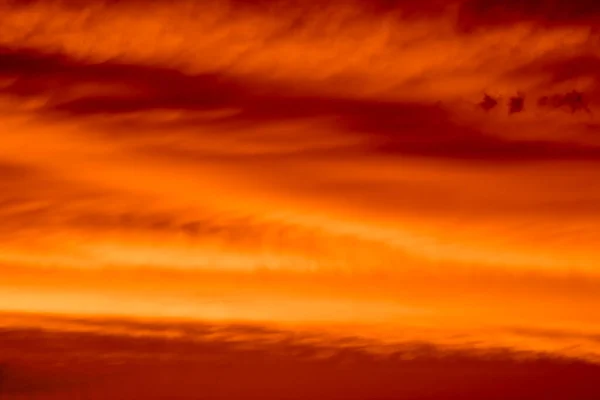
335, 159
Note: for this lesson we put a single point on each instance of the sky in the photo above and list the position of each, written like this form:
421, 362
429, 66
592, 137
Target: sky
392, 170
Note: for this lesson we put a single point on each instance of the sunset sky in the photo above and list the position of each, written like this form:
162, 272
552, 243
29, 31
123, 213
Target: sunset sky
303, 166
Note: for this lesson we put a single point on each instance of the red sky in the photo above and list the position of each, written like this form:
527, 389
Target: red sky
313, 165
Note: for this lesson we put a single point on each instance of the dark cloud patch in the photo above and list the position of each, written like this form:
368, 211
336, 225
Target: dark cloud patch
488, 102
489, 148
151, 87
558, 70
16, 382
407, 128
583, 66
475, 14
570, 70
408, 8
238, 365
27, 381
13, 171
574, 101
516, 104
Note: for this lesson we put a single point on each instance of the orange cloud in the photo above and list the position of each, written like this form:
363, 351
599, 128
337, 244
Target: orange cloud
333, 158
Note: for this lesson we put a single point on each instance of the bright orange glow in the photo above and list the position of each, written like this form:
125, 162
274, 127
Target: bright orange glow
315, 165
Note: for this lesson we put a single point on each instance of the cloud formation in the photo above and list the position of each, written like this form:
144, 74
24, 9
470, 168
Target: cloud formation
199, 358
483, 13
301, 162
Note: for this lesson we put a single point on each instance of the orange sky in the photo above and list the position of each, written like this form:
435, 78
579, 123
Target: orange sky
302, 163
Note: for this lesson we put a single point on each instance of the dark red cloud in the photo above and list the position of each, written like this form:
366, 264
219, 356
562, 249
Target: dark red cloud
150, 87
54, 364
476, 14
473, 14
565, 71
562, 69
489, 148
408, 7
516, 104
488, 102
573, 100
399, 127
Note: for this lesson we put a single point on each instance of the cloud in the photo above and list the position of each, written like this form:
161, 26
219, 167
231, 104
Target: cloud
485, 13
342, 48
415, 128
144, 87
274, 364
332, 157
560, 69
